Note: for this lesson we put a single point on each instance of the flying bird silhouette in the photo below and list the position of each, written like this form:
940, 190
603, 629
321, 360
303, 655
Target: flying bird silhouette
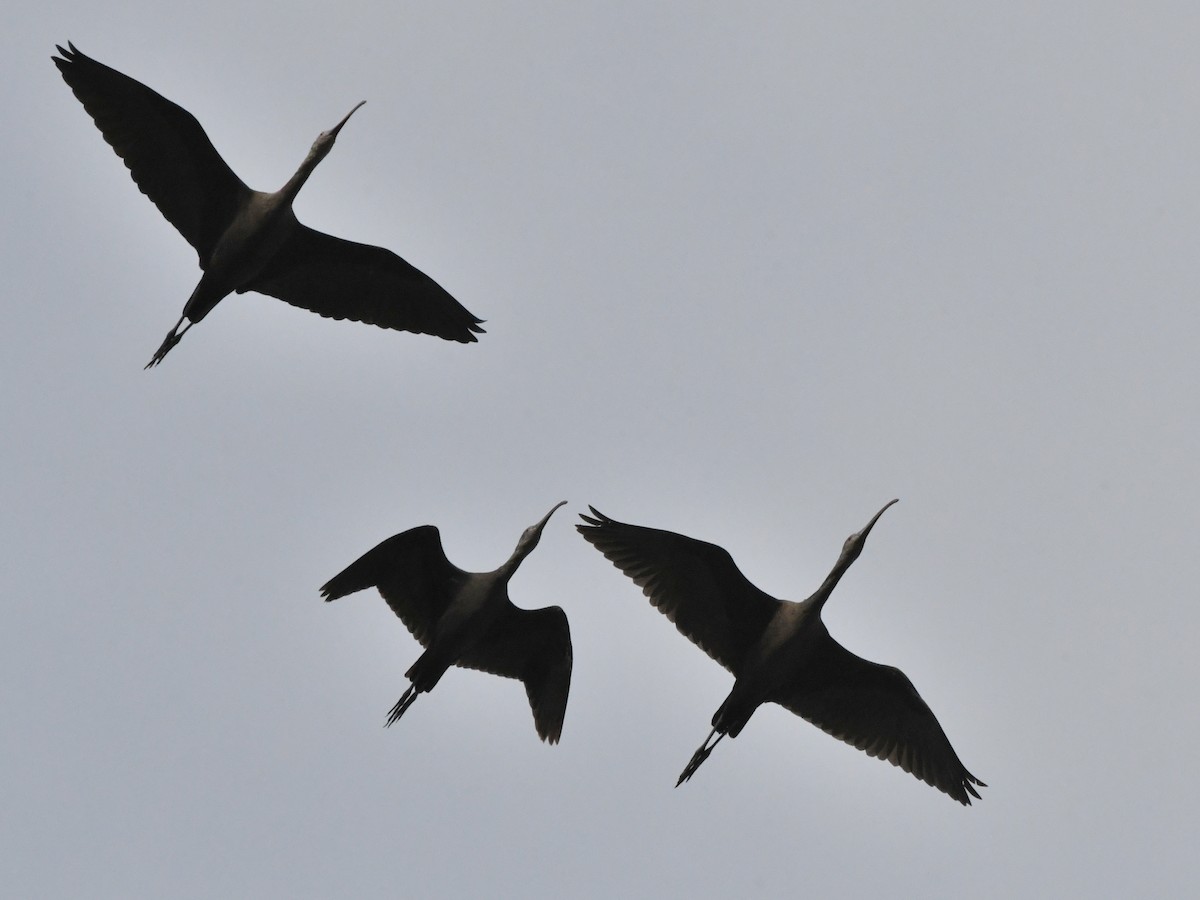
780, 651
466, 619
250, 240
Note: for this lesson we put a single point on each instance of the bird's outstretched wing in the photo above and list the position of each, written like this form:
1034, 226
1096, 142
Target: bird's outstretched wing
413, 575
876, 709
346, 280
534, 646
695, 584
166, 151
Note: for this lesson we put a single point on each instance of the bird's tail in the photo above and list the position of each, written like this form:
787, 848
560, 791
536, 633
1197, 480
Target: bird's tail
427, 671
424, 674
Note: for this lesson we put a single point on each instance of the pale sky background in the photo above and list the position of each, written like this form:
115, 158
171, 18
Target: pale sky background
749, 271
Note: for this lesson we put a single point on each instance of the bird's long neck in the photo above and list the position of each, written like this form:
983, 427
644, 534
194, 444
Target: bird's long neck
289, 191
835, 575
514, 562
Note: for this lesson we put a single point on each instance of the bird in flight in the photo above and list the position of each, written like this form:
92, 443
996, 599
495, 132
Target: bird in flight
779, 651
249, 240
466, 619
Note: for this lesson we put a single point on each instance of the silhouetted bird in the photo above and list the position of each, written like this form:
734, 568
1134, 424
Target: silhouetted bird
249, 240
466, 619
781, 652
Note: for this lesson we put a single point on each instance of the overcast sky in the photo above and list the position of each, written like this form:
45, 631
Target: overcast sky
749, 271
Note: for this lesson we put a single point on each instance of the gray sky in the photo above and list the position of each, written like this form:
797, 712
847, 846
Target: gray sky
749, 271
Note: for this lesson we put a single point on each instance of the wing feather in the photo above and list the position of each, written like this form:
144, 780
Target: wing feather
412, 574
876, 708
535, 647
694, 584
343, 279
166, 151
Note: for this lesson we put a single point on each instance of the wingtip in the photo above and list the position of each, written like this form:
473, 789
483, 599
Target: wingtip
474, 326
464, 337
966, 789
68, 55
967, 783
596, 520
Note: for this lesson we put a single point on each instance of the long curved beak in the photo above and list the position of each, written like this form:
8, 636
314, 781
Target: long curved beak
546, 518
862, 535
530, 538
338, 127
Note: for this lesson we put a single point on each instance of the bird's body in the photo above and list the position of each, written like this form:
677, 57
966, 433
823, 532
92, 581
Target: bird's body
780, 651
250, 240
466, 619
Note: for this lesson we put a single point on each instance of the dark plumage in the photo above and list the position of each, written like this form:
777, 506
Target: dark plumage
466, 619
250, 240
781, 652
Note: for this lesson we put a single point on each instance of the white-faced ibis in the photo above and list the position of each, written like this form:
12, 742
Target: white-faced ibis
780, 651
250, 240
466, 619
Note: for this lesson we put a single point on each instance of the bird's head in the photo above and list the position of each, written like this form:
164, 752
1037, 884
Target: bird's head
531, 535
855, 543
324, 142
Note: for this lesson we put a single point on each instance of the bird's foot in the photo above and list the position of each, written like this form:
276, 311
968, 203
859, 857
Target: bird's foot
171, 340
690, 769
699, 757
173, 337
401, 706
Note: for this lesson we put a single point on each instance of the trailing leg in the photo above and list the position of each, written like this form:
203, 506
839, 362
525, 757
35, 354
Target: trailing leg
402, 705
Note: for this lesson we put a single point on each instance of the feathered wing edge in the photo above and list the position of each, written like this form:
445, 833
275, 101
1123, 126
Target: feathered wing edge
876, 708
695, 584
